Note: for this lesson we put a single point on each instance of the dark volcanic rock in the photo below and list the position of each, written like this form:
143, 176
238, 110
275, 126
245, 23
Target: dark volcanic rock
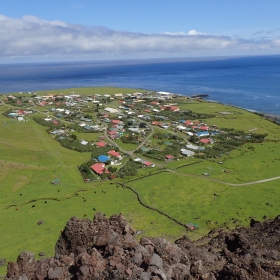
106, 248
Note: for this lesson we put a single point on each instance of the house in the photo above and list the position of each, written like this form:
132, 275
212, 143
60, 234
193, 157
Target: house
101, 144
148, 164
113, 134
204, 127
180, 127
205, 140
169, 157
114, 154
83, 142
202, 133
155, 103
111, 110
186, 152
99, 168
117, 122
171, 108
103, 158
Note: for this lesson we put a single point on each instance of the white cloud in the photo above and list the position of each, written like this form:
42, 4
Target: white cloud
34, 37
194, 32
181, 33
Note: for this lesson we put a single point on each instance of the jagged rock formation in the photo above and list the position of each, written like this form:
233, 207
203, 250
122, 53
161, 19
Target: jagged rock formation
106, 248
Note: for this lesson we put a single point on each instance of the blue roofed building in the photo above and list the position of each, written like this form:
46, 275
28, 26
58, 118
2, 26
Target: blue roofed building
103, 158
202, 133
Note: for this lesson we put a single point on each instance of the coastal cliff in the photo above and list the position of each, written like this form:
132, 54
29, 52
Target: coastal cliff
107, 248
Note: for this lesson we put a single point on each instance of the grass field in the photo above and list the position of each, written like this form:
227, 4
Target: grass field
30, 159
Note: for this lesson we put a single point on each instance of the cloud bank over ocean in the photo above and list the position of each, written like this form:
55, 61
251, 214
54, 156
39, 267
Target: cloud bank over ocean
31, 36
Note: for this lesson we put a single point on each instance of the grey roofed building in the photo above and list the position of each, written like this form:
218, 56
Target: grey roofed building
186, 152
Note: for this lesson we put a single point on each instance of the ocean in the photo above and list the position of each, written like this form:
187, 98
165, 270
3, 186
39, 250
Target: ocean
252, 83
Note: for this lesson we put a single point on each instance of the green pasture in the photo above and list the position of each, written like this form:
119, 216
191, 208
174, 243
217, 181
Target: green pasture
239, 119
126, 146
206, 203
30, 160
244, 164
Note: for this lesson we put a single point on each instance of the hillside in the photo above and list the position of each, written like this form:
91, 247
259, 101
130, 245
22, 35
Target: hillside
159, 175
107, 248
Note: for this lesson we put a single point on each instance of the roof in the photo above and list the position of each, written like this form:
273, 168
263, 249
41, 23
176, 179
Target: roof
101, 144
111, 110
204, 127
116, 121
103, 158
202, 133
98, 168
113, 132
187, 152
205, 141
169, 157
114, 153
147, 163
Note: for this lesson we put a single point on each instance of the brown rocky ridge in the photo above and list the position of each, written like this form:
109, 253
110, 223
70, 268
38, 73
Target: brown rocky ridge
106, 248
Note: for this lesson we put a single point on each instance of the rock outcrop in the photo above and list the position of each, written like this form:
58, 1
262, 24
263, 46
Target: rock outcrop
106, 248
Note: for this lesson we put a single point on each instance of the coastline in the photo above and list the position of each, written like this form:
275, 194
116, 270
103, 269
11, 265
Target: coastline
247, 82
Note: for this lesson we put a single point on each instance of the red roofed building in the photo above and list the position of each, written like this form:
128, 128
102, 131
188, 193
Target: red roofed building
147, 163
172, 108
204, 127
147, 111
155, 103
113, 133
205, 141
101, 144
114, 153
21, 112
169, 157
188, 123
99, 168
116, 121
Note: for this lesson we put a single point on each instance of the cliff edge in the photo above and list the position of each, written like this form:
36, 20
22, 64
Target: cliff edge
106, 248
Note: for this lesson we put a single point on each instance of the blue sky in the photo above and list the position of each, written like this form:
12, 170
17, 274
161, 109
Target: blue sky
53, 30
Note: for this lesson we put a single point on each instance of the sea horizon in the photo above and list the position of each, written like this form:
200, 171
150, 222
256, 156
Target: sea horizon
248, 82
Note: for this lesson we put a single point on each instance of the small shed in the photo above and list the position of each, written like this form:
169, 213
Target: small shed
192, 226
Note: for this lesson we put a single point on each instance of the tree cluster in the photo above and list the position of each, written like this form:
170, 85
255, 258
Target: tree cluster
129, 169
43, 122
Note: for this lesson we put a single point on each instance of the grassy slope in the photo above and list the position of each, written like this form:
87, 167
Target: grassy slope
30, 160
